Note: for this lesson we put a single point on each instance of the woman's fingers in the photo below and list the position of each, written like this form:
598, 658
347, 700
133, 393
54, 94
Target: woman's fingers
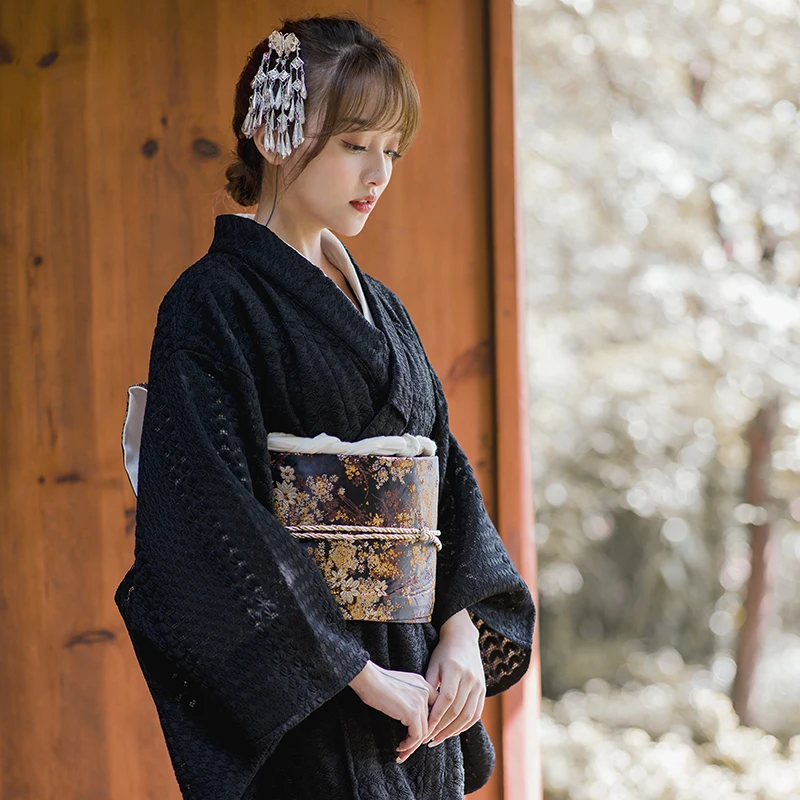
457, 707
469, 715
416, 733
452, 712
433, 674
417, 723
433, 696
448, 691
451, 719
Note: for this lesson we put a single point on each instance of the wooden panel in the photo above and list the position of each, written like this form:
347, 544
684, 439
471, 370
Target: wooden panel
114, 141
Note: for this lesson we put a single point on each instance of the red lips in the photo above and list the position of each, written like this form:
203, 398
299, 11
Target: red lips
362, 206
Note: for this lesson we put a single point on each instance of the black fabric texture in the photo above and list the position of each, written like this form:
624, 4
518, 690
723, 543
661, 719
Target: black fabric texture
243, 648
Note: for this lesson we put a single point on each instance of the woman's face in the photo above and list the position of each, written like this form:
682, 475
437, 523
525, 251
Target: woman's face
350, 166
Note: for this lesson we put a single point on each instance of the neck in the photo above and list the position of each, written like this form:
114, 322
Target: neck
306, 239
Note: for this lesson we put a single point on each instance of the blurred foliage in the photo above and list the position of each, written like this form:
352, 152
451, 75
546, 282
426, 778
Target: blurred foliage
667, 735
660, 173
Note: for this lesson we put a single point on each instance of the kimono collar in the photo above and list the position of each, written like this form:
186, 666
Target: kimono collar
339, 256
263, 250
261, 247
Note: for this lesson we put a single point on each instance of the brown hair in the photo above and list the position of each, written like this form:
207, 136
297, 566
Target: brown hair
354, 82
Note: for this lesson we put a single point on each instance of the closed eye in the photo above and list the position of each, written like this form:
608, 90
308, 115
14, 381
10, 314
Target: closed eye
359, 148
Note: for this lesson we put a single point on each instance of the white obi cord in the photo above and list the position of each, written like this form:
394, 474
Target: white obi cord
406, 445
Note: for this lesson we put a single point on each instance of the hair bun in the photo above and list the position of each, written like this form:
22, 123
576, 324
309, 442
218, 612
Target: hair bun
243, 185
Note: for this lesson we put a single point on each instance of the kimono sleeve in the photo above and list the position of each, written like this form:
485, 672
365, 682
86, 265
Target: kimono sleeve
234, 627
474, 569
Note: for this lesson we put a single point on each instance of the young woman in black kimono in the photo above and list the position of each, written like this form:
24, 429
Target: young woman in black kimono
264, 689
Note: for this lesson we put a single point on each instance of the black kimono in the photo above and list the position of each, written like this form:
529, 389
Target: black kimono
245, 651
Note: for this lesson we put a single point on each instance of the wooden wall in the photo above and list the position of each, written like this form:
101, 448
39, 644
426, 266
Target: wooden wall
114, 140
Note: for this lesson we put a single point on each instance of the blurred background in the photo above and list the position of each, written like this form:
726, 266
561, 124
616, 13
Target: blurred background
660, 174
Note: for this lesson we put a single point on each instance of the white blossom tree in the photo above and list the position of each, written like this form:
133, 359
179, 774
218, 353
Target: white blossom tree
660, 170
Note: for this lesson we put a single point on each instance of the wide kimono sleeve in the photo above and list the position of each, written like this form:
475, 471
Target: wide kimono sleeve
474, 569
235, 630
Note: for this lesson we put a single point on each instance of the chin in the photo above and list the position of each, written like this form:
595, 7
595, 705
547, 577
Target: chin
348, 228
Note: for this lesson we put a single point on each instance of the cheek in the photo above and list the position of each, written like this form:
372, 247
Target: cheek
344, 172
340, 182
315, 183
329, 179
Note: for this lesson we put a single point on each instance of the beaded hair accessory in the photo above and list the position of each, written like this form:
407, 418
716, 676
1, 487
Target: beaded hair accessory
278, 95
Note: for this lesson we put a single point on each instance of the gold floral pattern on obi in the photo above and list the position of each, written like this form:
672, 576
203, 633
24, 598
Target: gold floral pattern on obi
372, 579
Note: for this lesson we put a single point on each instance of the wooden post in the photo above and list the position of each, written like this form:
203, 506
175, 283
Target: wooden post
520, 704
759, 438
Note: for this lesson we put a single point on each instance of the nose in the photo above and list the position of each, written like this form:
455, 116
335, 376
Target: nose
379, 174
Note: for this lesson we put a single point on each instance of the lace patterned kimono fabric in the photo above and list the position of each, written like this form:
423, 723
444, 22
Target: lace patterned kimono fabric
243, 647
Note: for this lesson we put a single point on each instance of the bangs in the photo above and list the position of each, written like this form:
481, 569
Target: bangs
373, 93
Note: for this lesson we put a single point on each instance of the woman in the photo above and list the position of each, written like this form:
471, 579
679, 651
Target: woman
264, 688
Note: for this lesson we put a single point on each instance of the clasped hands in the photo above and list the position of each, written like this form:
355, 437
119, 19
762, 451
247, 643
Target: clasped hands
446, 701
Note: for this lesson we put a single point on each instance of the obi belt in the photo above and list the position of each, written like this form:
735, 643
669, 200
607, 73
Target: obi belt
365, 511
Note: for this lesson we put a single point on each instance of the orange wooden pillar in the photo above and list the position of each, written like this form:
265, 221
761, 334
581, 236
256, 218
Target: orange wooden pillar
515, 517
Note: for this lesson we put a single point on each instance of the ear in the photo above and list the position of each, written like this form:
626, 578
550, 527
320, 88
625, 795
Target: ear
270, 156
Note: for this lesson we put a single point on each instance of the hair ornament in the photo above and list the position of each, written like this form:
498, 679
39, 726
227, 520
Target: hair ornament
278, 95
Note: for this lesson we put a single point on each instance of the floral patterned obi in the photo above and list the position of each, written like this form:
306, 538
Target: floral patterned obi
369, 522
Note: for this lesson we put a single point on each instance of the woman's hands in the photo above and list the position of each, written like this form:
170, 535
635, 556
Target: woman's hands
404, 696
456, 669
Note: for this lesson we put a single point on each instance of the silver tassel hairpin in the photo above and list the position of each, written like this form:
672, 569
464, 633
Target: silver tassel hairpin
278, 94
